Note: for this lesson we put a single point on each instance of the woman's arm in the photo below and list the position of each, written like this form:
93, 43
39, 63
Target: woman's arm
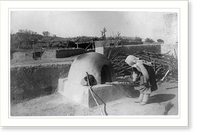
140, 67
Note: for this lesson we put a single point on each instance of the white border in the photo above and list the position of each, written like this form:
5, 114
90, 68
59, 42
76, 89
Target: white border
181, 120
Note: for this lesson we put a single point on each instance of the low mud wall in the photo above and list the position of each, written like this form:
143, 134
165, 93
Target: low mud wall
22, 56
49, 54
28, 82
131, 49
69, 52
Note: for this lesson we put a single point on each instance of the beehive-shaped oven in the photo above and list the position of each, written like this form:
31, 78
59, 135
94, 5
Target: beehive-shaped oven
95, 64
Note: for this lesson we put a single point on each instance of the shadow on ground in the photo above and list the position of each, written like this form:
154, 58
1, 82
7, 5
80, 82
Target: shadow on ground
159, 98
133, 94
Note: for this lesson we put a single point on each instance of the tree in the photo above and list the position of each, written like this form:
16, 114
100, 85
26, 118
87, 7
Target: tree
138, 39
103, 33
118, 34
54, 35
48, 40
46, 33
14, 42
160, 41
24, 39
149, 40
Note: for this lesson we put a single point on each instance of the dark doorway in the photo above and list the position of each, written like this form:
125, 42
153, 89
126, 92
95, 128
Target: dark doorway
105, 74
37, 55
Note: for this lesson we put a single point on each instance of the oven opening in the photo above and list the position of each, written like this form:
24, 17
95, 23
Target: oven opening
105, 74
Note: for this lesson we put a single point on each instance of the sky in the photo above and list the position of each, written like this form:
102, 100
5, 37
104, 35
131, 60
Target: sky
90, 23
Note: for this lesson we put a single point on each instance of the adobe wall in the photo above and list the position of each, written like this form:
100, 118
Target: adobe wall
31, 81
104, 48
22, 56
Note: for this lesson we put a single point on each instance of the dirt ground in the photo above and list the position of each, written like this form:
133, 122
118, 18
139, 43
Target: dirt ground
58, 105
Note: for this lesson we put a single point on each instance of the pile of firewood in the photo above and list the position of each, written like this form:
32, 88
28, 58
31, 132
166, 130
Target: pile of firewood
165, 65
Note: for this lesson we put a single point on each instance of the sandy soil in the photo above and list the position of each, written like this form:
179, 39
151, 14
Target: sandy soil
58, 105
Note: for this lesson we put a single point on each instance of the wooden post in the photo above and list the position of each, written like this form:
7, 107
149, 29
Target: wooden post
175, 54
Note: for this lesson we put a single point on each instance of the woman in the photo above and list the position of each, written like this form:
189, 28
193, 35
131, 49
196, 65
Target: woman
146, 74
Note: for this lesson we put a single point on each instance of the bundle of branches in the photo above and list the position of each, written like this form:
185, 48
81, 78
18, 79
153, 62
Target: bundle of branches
165, 65
117, 57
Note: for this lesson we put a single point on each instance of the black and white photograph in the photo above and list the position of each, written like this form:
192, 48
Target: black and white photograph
93, 63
